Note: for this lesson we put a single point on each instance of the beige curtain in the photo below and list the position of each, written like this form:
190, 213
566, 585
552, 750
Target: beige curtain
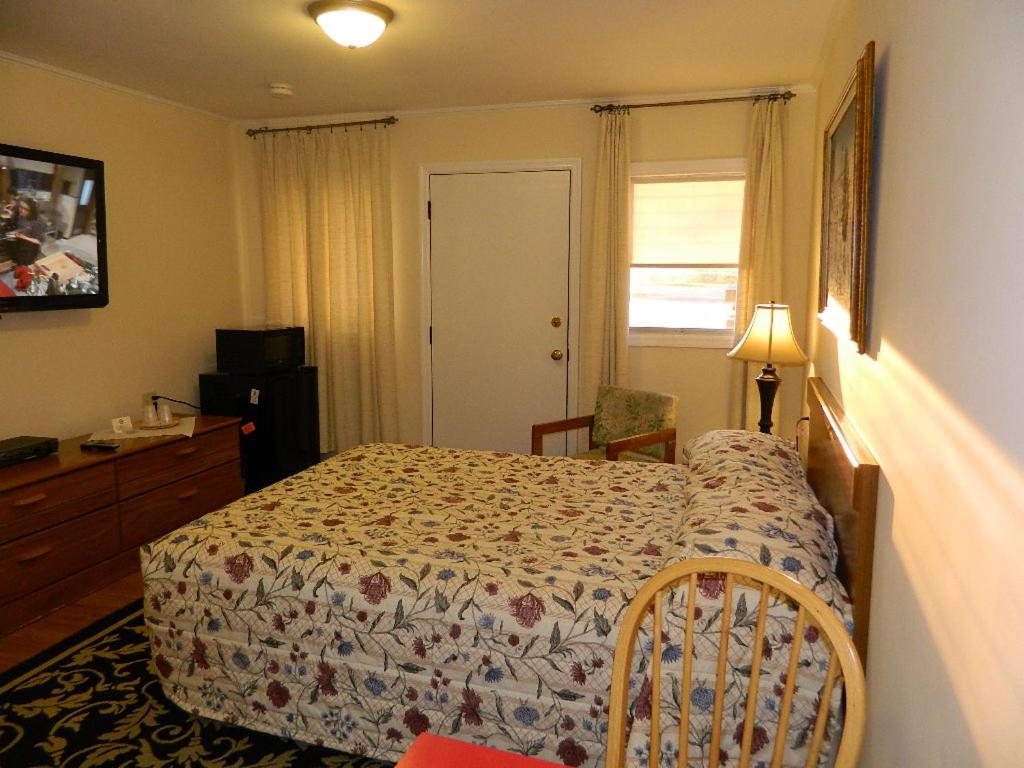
326, 211
760, 262
606, 327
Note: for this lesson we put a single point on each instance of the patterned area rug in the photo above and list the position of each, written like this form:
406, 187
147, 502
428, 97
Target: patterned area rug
94, 700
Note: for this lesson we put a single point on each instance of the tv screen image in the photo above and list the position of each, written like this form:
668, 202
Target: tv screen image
52, 231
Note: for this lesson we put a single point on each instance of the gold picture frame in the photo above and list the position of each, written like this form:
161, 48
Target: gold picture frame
845, 191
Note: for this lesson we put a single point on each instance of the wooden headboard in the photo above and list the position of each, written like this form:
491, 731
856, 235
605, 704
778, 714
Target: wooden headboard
844, 476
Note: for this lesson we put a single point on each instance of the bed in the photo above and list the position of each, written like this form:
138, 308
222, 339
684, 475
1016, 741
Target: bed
397, 589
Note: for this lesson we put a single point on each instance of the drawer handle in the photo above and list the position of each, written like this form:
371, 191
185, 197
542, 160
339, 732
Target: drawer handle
186, 451
33, 554
30, 500
187, 494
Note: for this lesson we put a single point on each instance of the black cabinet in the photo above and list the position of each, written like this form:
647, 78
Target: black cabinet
280, 419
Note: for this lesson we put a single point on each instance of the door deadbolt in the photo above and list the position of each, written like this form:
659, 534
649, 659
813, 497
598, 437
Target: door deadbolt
556, 322
556, 354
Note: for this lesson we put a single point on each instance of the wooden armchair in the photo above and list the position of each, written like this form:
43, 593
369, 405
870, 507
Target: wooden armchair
627, 424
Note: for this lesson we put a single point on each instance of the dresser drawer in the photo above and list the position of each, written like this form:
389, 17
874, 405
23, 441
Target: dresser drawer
153, 514
31, 562
146, 470
49, 502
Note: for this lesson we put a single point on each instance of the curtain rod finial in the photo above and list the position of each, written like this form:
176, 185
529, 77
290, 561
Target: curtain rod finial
599, 109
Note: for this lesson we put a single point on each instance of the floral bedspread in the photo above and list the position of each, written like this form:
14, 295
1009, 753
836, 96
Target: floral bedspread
746, 498
396, 589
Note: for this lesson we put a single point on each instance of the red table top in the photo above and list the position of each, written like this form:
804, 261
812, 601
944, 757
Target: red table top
431, 751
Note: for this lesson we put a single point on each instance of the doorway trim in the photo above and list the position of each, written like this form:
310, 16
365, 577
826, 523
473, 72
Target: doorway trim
573, 166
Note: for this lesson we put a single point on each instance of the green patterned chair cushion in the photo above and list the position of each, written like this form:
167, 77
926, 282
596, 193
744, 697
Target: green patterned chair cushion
598, 454
626, 412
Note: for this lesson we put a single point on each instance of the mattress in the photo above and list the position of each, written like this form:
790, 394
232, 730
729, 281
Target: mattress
397, 589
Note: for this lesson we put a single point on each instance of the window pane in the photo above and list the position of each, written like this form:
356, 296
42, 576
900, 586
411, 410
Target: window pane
682, 297
687, 222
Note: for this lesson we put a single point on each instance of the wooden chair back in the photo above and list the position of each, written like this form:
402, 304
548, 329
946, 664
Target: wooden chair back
844, 667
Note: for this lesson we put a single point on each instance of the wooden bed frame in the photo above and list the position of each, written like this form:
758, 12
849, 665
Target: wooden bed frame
844, 476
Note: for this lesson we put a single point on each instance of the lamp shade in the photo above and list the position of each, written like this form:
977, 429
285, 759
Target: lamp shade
352, 23
769, 337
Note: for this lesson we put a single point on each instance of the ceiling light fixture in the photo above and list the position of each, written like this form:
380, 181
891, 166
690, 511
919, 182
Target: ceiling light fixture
352, 23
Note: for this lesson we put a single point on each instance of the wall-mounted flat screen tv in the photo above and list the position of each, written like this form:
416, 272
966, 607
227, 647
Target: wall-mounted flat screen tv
53, 244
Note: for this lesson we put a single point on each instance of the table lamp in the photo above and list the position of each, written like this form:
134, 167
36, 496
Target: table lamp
769, 339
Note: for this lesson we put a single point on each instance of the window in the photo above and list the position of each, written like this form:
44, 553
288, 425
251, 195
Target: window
686, 242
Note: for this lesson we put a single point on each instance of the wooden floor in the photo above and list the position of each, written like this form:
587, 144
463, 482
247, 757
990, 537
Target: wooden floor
26, 642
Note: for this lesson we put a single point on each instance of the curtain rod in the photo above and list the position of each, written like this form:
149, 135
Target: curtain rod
599, 108
385, 121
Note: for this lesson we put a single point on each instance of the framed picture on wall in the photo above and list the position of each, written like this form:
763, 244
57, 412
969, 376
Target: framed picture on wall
842, 293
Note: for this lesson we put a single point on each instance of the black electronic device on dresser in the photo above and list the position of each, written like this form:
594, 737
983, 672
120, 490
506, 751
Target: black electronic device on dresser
262, 380
16, 449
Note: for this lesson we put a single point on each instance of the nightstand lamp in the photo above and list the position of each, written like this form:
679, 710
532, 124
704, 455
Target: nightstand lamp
769, 339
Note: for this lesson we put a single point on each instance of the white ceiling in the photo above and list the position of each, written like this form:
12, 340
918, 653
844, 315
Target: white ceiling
220, 55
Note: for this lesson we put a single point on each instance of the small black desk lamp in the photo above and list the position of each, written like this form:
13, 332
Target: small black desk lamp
769, 339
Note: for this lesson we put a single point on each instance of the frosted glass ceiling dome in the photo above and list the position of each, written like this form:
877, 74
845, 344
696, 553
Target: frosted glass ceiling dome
352, 23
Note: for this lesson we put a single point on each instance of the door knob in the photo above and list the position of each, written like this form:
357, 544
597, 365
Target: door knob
556, 354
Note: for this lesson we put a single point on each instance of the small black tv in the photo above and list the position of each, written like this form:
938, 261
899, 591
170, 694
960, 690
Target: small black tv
53, 238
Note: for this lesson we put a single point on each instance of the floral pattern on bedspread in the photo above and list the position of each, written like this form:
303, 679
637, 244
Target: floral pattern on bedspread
746, 498
396, 589
779, 640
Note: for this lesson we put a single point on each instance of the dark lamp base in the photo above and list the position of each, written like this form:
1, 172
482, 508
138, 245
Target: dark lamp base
767, 385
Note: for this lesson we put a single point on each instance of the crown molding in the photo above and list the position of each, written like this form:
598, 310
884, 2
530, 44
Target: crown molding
70, 75
285, 122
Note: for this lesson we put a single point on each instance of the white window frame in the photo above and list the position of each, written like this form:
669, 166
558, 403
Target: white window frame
699, 338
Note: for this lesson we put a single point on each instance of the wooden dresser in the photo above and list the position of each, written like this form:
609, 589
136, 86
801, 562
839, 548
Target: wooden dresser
72, 522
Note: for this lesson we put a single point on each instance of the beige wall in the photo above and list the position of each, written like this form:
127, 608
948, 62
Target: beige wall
698, 376
171, 252
937, 397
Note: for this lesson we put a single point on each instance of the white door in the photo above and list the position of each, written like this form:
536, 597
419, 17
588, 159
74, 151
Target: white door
499, 307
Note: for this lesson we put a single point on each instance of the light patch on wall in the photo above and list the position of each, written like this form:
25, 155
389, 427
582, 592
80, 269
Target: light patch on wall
958, 530
837, 320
